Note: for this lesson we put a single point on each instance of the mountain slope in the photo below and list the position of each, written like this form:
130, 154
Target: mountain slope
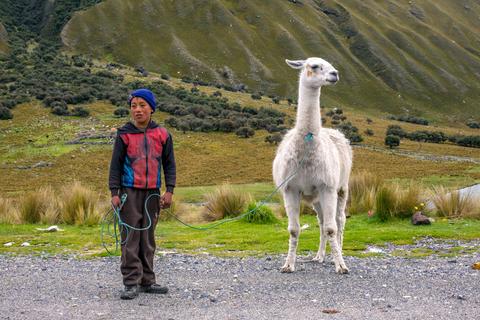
392, 56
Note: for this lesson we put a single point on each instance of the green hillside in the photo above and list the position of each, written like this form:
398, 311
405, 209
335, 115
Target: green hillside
393, 56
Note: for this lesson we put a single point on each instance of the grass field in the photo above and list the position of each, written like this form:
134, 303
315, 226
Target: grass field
34, 136
230, 239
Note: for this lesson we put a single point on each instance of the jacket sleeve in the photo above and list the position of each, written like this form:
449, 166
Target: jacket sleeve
116, 166
168, 164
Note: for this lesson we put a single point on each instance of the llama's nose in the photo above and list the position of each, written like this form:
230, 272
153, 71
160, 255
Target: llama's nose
334, 73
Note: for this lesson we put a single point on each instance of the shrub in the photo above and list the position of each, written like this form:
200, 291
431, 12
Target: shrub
395, 130
5, 113
473, 124
165, 76
369, 132
245, 132
410, 119
256, 96
274, 138
79, 205
276, 100
80, 111
392, 141
122, 112
224, 202
260, 214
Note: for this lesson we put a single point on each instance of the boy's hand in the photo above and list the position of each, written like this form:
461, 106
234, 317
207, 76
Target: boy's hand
116, 201
166, 200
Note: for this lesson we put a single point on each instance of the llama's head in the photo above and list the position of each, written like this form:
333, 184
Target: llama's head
316, 72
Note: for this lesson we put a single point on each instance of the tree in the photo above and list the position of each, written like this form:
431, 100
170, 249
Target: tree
392, 141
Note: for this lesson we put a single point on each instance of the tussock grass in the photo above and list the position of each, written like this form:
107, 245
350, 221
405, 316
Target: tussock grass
260, 215
224, 202
9, 213
406, 199
385, 203
452, 204
362, 189
80, 205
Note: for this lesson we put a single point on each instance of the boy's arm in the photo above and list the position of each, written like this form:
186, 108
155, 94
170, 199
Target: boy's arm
168, 164
116, 166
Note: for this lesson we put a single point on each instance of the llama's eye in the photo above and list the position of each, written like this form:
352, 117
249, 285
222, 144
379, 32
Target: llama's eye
316, 67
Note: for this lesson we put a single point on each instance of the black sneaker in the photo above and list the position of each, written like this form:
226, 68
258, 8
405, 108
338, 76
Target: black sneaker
129, 293
154, 288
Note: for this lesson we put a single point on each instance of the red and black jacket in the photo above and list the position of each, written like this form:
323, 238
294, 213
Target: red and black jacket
138, 157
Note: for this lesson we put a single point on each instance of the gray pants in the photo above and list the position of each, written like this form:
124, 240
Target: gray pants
139, 247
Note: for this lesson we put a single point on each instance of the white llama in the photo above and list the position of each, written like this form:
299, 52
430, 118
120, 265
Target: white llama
321, 159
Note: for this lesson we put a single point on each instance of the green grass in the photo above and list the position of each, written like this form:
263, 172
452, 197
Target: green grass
231, 239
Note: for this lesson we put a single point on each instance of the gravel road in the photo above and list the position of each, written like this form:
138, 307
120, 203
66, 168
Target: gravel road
207, 287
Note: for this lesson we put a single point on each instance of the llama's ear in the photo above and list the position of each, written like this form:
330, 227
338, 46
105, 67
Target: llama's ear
295, 64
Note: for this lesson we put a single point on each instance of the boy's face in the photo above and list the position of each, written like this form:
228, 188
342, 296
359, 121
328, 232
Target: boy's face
140, 110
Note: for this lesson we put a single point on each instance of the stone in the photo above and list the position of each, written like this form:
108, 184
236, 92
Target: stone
419, 219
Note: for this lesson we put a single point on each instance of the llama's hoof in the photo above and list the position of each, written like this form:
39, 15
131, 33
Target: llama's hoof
287, 268
342, 269
319, 259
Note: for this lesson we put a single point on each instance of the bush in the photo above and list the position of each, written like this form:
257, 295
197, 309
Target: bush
260, 214
410, 119
369, 132
256, 96
80, 111
274, 138
80, 205
122, 112
5, 113
224, 202
395, 130
245, 132
276, 100
165, 76
473, 124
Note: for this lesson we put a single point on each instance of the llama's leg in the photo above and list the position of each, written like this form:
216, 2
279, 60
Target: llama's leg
341, 216
328, 202
320, 257
292, 206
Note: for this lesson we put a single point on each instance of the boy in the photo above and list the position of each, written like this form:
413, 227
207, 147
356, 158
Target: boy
141, 149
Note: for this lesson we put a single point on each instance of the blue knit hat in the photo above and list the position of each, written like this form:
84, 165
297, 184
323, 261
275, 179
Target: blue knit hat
146, 95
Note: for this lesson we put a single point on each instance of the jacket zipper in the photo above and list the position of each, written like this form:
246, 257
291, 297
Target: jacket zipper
146, 157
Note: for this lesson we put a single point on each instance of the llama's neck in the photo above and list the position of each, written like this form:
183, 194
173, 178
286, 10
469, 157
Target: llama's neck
308, 110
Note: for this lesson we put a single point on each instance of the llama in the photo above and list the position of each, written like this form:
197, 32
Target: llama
321, 159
